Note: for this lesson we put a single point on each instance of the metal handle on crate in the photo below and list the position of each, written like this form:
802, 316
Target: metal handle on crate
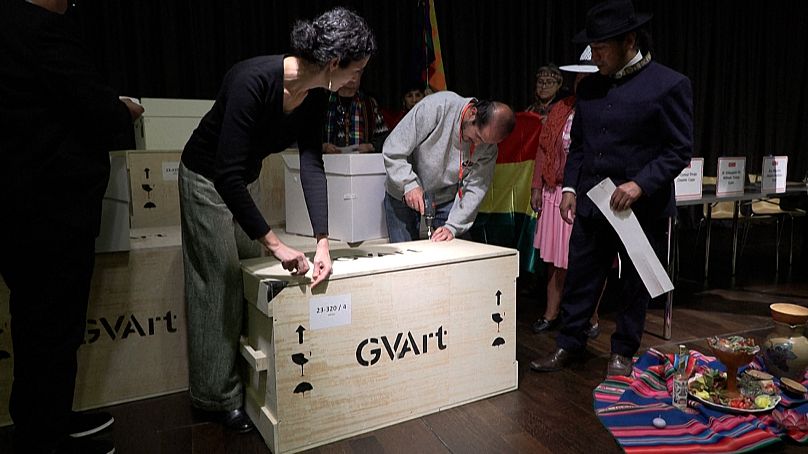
256, 358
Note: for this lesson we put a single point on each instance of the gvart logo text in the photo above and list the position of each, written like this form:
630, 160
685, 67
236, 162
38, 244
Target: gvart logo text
125, 325
369, 353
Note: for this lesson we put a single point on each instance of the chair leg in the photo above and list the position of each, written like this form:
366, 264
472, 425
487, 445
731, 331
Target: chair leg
747, 223
777, 235
791, 242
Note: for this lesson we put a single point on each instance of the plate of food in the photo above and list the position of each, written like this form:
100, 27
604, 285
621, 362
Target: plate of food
756, 396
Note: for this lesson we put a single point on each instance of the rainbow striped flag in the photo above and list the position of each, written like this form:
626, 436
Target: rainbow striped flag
427, 56
506, 217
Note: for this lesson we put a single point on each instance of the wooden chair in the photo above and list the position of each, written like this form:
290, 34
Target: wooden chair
770, 208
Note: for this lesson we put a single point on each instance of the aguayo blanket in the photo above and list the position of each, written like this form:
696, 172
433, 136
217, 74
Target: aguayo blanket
627, 406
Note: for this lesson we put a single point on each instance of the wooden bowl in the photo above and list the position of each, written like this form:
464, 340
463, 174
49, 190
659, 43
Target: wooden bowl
791, 314
792, 387
758, 374
732, 360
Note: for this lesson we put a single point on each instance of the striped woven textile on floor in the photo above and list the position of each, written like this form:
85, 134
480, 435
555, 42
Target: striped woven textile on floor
628, 405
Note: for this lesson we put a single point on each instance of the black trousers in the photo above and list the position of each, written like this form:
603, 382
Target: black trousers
48, 269
593, 247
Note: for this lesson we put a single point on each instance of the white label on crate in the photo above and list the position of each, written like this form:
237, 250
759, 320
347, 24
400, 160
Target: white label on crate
329, 311
171, 170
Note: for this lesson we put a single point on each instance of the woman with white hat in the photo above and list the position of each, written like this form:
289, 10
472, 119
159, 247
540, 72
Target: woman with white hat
552, 233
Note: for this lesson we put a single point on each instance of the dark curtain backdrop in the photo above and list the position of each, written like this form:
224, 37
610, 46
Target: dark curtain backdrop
747, 60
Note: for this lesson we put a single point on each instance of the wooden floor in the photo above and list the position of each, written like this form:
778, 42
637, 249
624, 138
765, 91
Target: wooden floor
549, 413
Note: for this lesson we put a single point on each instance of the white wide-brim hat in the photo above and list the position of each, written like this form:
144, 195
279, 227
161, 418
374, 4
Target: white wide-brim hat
584, 64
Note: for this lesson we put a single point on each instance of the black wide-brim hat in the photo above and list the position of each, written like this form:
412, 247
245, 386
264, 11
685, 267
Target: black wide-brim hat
609, 19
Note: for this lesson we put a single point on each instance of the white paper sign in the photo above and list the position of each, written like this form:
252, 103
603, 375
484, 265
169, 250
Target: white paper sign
773, 177
628, 228
171, 170
689, 183
329, 311
731, 175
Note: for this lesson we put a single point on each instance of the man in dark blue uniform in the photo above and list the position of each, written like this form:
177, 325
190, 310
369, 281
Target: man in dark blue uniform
633, 124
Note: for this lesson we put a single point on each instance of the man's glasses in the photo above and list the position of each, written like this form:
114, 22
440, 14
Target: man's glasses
546, 82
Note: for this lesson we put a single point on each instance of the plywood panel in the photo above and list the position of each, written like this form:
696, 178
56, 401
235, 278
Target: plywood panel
429, 329
136, 338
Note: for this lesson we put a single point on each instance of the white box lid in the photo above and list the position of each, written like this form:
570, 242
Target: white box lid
377, 259
260, 275
344, 164
167, 107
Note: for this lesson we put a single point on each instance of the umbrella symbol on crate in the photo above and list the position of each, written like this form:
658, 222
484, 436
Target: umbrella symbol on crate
497, 318
498, 342
300, 360
302, 387
148, 189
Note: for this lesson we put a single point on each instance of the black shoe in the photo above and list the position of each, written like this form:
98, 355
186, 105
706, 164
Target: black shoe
234, 420
593, 331
541, 325
557, 360
619, 365
86, 424
86, 446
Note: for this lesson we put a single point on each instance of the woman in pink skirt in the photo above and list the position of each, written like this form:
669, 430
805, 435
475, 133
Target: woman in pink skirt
552, 233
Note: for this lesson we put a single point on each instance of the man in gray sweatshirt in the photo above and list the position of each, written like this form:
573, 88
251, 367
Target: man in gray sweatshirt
445, 147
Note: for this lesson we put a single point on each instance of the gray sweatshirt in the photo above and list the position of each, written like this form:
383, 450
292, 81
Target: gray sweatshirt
424, 150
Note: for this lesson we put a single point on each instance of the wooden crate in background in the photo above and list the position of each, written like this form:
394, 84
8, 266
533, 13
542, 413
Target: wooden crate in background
399, 331
136, 339
153, 178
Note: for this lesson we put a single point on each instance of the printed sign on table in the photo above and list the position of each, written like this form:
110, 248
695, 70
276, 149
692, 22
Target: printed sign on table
773, 176
689, 183
731, 176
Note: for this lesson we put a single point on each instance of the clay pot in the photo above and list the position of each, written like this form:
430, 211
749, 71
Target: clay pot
785, 350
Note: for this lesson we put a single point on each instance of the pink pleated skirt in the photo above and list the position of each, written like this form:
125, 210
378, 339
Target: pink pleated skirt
552, 237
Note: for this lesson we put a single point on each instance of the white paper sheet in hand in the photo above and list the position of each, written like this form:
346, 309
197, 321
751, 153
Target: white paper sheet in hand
628, 228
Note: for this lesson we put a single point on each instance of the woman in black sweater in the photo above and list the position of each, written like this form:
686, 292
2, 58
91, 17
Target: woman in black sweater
265, 105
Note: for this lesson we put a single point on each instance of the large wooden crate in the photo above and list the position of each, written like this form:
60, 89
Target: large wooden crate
136, 341
399, 331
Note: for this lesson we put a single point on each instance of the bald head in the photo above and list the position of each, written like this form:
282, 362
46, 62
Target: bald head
494, 119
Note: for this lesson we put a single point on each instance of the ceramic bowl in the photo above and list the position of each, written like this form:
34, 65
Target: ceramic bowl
791, 314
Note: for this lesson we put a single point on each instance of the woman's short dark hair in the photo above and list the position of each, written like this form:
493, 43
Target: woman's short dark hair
338, 33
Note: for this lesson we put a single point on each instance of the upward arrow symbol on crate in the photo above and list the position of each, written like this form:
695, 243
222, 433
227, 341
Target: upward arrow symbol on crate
499, 294
299, 331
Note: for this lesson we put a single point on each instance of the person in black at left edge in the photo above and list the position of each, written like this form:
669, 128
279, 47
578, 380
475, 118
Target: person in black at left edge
265, 104
58, 121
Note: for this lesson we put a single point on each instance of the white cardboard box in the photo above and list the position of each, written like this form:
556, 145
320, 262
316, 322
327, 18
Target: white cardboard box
355, 197
167, 124
114, 234
399, 331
